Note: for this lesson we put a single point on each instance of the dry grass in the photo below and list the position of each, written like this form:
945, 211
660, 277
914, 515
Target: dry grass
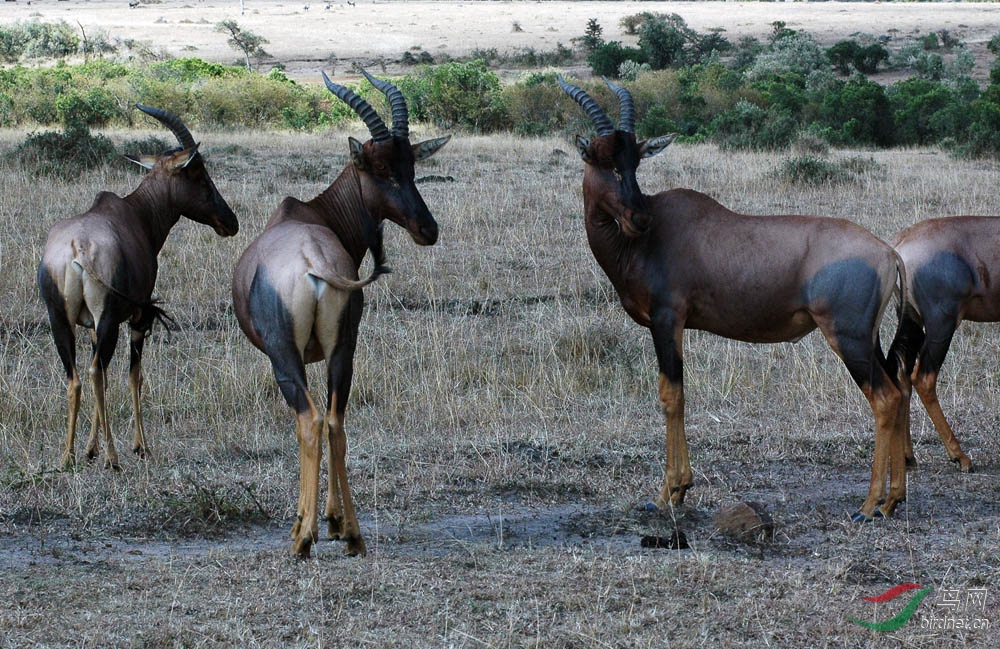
504, 427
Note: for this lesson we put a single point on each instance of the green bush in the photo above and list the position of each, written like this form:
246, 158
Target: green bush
982, 139
750, 127
663, 44
35, 39
535, 105
846, 55
66, 154
858, 113
462, 95
606, 59
812, 170
93, 107
794, 52
917, 106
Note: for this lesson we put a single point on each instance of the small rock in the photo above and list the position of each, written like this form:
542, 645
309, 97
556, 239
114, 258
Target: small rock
744, 521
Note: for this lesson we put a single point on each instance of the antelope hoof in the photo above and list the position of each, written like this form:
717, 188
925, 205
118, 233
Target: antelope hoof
355, 547
335, 527
113, 464
141, 452
860, 517
911, 462
301, 547
964, 463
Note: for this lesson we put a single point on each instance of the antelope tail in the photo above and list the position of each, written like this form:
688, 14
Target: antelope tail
149, 310
344, 284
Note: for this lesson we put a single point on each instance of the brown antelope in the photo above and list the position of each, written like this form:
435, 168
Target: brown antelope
679, 259
297, 294
98, 270
951, 263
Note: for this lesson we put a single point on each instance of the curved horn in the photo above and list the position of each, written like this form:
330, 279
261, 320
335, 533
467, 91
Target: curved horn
627, 121
594, 112
364, 110
400, 113
171, 121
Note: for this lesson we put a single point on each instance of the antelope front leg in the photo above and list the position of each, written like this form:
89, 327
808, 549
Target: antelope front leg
678, 464
135, 381
98, 375
667, 339
350, 530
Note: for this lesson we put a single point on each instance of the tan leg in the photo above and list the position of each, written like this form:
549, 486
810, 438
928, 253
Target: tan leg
906, 394
350, 530
99, 380
135, 389
926, 385
678, 464
308, 428
889, 461
334, 502
73, 388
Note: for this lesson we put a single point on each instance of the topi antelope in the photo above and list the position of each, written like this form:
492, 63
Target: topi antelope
679, 259
98, 270
297, 294
950, 266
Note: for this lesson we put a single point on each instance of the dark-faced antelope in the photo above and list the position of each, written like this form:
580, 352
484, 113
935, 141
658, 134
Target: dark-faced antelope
98, 270
951, 266
297, 294
679, 259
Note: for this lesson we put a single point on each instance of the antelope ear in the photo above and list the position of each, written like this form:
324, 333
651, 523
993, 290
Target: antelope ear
357, 154
427, 148
145, 161
583, 146
181, 159
653, 146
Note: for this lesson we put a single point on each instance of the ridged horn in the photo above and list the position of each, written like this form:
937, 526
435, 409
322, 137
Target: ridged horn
400, 113
594, 112
375, 125
171, 121
627, 120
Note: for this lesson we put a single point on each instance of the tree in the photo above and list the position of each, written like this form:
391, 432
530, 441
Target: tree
243, 41
592, 39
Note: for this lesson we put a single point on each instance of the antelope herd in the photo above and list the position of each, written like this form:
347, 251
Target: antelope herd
678, 260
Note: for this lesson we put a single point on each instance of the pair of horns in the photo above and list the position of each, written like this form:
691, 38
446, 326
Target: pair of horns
378, 129
173, 122
597, 114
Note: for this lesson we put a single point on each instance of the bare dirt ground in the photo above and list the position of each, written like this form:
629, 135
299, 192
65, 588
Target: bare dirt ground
307, 37
505, 434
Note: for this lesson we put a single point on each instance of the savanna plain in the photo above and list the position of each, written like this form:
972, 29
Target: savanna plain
504, 431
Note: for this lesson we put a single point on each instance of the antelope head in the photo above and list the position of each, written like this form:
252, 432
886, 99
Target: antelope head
613, 157
191, 190
385, 163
